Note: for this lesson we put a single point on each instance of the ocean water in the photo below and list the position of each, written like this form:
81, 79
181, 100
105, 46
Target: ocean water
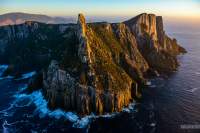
169, 105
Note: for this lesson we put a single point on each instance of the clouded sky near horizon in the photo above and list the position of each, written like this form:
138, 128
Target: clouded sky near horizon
168, 8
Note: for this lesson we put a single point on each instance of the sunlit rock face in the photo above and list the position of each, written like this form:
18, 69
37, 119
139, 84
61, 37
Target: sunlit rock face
132, 61
143, 24
90, 67
153, 43
83, 50
62, 90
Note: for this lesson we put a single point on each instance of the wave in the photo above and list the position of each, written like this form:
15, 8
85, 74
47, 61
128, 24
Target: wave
22, 88
9, 127
24, 76
3, 69
42, 110
42, 107
197, 73
8, 111
7, 77
193, 90
148, 83
85, 121
27, 75
15, 103
5, 129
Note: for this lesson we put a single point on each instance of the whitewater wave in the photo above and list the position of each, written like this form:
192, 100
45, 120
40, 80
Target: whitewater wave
85, 121
42, 110
7, 77
153, 86
8, 111
148, 83
24, 76
197, 73
42, 107
193, 90
9, 127
27, 75
5, 129
3, 69
15, 103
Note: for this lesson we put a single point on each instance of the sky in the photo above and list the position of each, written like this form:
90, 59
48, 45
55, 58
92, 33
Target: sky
173, 8
185, 12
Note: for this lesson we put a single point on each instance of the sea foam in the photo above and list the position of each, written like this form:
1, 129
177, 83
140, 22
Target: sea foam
27, 75
23, 76
197, 73
2, 69
5, 129
41, 108
7, 77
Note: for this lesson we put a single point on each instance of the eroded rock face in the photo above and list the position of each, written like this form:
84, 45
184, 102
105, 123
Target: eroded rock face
143, 24
161, 32
153, 43
84, 48
133, 62
63, 91
58, 85
124, 35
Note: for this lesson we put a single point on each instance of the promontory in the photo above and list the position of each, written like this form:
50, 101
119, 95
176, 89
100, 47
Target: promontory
89, 67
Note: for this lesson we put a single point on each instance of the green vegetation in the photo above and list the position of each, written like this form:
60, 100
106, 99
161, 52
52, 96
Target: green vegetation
106, 50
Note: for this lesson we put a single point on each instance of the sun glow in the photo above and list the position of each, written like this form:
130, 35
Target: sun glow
175, 8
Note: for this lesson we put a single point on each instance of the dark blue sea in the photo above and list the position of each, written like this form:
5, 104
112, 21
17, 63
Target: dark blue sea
171, 104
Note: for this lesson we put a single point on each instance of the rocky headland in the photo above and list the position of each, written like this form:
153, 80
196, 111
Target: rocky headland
90, 67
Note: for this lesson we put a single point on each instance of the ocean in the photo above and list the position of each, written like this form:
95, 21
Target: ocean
170, 104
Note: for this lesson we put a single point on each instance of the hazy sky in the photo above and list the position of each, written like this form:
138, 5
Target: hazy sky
172, 8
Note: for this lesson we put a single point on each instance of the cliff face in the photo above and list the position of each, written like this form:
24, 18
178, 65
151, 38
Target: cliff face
64, 91
93, 67
153, 43
144, 24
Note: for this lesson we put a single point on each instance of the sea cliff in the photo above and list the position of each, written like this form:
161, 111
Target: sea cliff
90, 67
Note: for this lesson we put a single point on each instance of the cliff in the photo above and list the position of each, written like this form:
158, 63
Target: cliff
153, 43
94, 67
